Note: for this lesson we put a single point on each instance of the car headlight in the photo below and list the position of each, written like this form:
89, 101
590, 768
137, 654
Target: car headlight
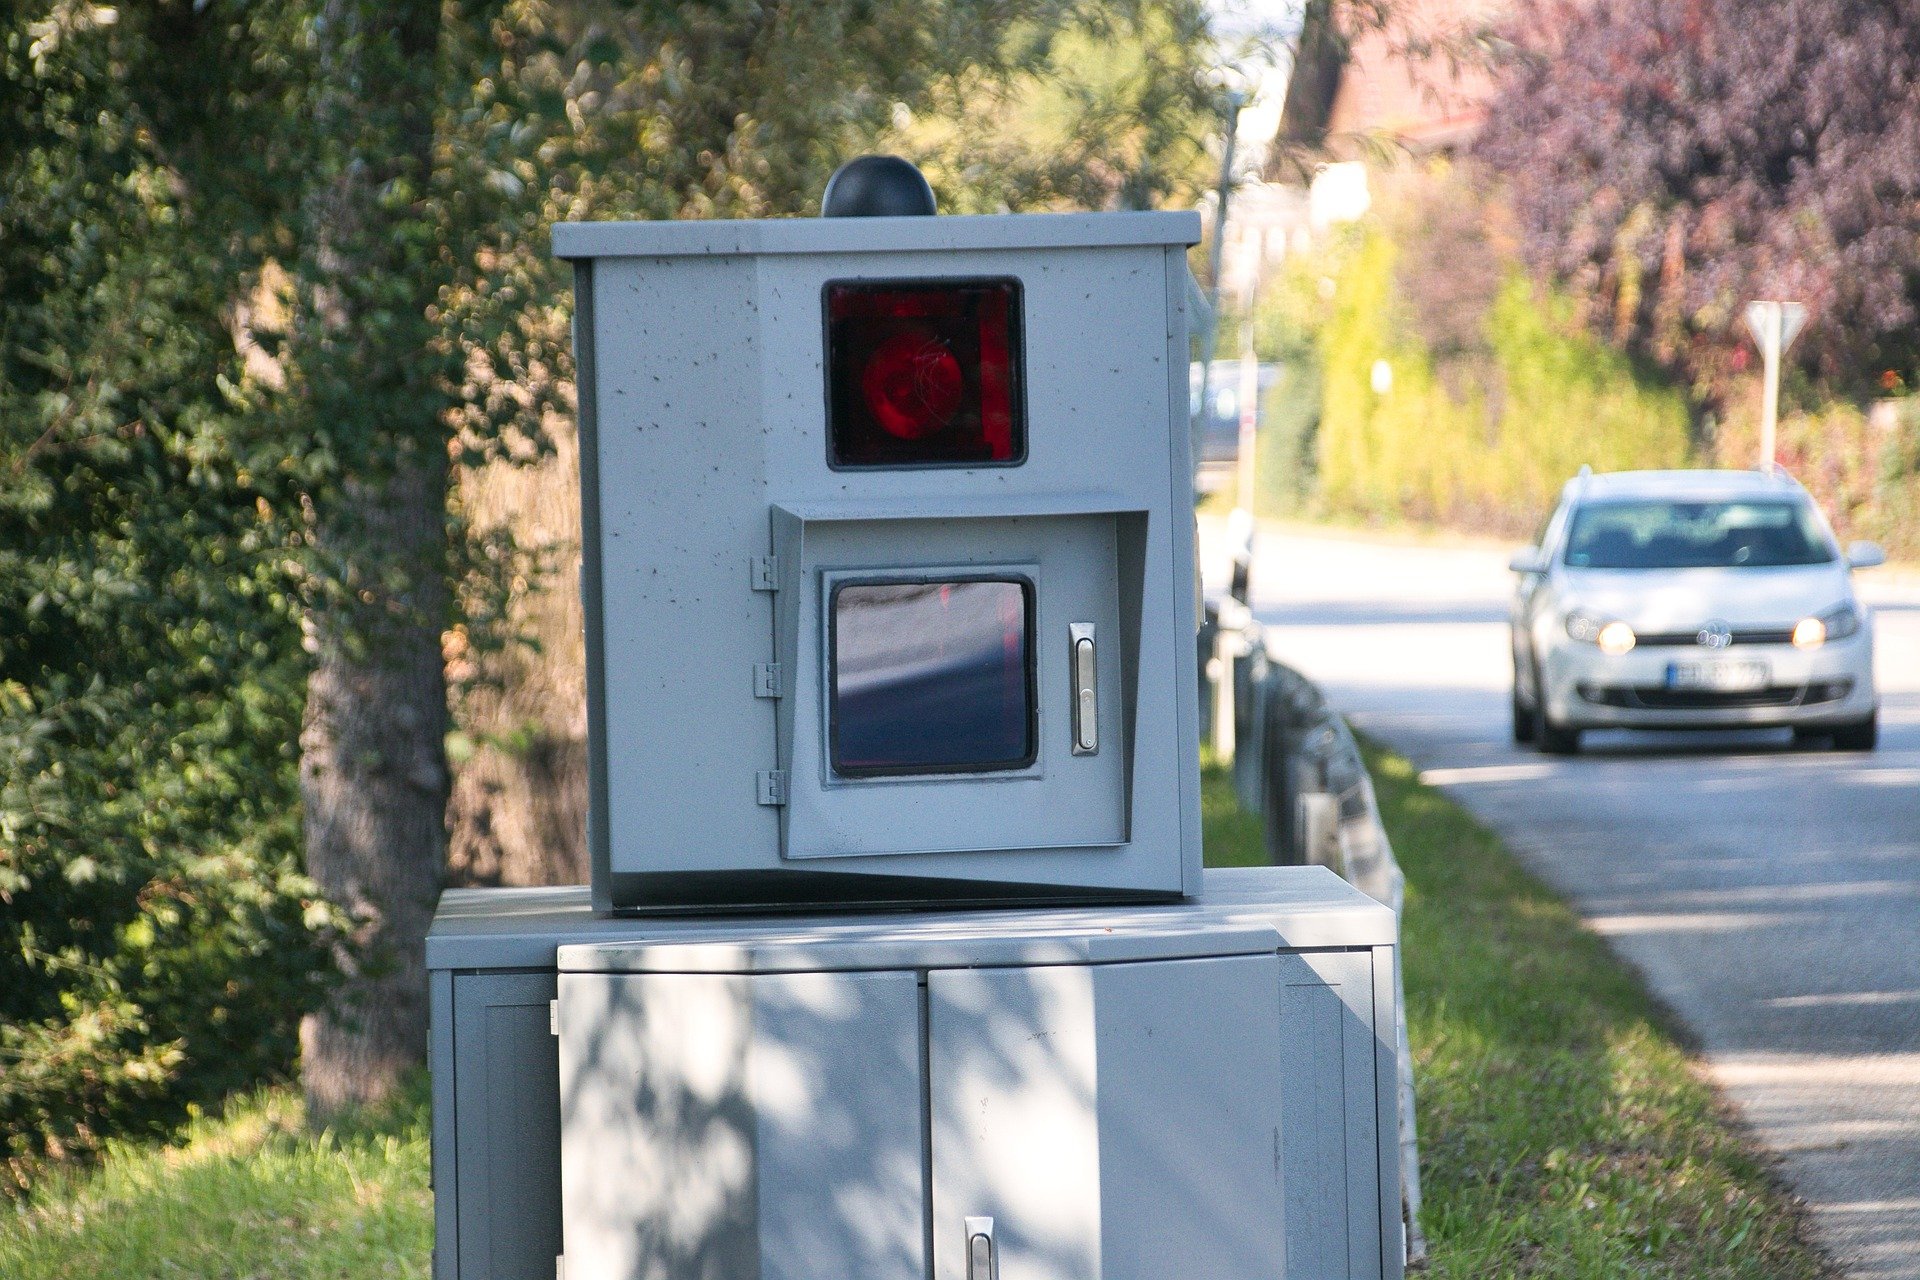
1617, 638
1836, 623
1614, 638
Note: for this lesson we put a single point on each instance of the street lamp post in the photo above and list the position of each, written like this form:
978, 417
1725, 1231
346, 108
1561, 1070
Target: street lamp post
1210, 333
1249, 405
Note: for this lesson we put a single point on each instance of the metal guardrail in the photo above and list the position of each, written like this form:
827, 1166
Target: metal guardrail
1295, 762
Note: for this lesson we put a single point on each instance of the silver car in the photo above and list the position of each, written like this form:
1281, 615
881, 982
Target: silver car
1691, 600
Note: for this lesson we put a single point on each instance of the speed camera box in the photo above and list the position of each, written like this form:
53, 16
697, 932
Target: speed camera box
888, 559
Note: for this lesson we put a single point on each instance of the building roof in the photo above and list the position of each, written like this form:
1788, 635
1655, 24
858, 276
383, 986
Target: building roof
1377, 84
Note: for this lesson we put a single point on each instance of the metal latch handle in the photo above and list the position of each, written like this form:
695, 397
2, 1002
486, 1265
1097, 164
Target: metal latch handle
1086, 688
982, 1260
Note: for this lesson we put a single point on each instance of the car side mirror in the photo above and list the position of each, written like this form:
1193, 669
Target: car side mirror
1866, 555
1528, 560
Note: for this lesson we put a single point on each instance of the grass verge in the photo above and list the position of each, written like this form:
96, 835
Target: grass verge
1233, 837
1563, 1129
244, 1195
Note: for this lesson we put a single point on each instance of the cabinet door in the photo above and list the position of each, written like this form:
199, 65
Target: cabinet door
718, 1126
506, 1146
1114, 1121
1331, 1118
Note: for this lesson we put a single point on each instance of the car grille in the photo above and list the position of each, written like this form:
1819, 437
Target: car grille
1750, 635
1659, 698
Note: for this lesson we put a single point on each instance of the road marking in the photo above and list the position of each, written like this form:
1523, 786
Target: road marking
1687, 922
1844, 998
1822, 1071
1487, 773
1873, 1206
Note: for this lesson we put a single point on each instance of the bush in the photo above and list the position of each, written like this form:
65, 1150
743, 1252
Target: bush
157, 943
1289, 435
1491, 450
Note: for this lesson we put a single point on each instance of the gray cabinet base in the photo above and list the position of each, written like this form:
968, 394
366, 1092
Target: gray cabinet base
1113, 987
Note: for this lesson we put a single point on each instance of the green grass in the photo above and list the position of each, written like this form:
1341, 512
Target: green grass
1232, 836
247, 1195
1563, 1129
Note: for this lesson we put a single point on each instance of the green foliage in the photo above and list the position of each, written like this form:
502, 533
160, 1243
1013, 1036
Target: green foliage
1288, 442
1496, 397
1287, 327
1896, 504
156, 937
1500, 390
1092, 106
735, 108
1231, 836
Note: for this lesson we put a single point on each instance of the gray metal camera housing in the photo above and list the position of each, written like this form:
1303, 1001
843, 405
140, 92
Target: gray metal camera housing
718, 527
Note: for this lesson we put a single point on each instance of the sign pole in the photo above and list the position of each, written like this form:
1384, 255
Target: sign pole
1770, 395
1774, 326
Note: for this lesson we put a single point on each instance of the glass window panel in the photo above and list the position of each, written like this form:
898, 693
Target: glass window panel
932, 677
1696, 535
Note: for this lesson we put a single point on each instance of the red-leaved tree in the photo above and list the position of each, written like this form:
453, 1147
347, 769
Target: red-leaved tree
1673, 159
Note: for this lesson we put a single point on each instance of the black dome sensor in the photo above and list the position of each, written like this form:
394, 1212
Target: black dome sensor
877, 187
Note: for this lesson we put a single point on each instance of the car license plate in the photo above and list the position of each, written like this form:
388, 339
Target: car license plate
1720, 677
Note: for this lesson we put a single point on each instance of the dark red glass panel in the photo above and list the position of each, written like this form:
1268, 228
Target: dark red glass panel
924, 373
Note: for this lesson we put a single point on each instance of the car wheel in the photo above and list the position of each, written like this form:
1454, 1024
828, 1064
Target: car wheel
1861, 735
1554, 739
1522, 718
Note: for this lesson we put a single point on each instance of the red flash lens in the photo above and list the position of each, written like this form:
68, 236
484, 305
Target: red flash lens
912, 384
924, 373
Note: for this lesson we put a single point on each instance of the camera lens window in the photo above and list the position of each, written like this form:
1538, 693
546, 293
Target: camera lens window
932, 677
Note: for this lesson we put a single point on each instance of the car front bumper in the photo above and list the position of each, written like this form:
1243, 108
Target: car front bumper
1831, 685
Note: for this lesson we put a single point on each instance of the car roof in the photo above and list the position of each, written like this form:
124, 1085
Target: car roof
1695, 486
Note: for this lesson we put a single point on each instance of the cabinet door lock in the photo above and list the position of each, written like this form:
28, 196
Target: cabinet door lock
1086, 689
982, 1261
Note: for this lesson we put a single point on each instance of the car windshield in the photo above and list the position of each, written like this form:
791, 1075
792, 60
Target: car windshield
1695, 535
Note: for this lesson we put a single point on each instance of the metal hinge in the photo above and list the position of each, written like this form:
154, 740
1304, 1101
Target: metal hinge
772, 785
766, 573
553, 1017
766, 680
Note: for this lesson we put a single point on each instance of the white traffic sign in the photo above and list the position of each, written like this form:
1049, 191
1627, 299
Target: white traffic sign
1783, 318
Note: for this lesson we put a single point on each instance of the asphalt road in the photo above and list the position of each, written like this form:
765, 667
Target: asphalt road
1771, 896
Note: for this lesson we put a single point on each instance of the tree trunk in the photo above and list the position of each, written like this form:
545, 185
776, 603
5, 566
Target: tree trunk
373, 770
373, 781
